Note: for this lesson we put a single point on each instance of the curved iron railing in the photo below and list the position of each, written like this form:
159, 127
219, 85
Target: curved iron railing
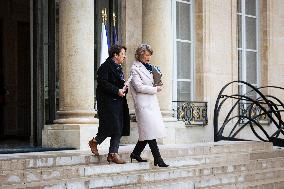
247, 111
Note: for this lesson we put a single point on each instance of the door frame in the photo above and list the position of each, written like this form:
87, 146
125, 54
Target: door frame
37, 82
38, 9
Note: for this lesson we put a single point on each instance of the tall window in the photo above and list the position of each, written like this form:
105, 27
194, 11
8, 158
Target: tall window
248, 62
183, 84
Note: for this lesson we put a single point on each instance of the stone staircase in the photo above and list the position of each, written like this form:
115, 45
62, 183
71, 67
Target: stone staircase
222, 165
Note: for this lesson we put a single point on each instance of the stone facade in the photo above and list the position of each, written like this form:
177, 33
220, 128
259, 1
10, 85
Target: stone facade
150, 21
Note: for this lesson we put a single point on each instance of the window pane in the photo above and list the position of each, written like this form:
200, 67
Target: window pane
240, 64
251, 67
183, 88
183, 17
239, 8
251, 33
251, 94
241, 89
250, 7
183, 60
239, 31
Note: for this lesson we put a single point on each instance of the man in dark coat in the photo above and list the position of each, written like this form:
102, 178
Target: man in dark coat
112, 105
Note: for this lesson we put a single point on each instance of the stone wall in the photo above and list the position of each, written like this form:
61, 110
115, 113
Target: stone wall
276, 45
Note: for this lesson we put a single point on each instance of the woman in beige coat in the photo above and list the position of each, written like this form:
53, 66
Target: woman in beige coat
147, 110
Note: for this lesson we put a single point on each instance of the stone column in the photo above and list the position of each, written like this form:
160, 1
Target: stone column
75, 123
131, 33
157, 31
76, 60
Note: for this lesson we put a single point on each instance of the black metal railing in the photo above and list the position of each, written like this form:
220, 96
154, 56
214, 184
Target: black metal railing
193, 113
235, 112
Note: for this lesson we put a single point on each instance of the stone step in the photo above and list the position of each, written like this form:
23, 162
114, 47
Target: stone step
66, 158
221, 180
21, 169
271, 184
73, 171
260, 184
256, 180
243, 177
156, 174
278, 152
66, 172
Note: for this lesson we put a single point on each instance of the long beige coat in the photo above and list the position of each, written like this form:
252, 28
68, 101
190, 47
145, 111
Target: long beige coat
148, 114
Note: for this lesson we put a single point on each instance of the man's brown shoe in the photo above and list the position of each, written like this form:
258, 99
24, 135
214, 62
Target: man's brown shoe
94, 146
114, 157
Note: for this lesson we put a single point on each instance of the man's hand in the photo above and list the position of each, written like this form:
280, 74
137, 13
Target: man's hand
121, 92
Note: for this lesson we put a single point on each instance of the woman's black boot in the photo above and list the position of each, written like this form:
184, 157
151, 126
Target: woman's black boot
160, 162
139, 147
138, 158
156, 154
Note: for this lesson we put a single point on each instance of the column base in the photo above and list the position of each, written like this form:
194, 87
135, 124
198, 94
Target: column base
76, 117
71, 136
76, 121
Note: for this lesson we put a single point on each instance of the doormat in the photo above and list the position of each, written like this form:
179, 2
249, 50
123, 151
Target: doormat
31, 149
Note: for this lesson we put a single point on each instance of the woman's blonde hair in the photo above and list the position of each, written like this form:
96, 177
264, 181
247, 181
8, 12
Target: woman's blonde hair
142, 50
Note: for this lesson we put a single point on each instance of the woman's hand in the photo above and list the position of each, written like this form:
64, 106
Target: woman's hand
159, 88
121, 93
125, 87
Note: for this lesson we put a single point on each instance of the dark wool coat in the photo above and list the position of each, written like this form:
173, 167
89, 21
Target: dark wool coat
113, 110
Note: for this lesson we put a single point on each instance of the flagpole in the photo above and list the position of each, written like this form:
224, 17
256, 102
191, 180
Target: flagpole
114, 31
104, 38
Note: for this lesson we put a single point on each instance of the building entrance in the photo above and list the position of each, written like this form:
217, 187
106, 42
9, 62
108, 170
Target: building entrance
15, 73
29, 66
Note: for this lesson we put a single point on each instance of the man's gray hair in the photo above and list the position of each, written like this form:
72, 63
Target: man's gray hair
142, 49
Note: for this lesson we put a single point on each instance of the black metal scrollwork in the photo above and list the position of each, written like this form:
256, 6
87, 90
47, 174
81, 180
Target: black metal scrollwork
248, 111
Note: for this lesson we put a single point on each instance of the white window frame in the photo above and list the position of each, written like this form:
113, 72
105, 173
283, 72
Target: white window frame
244, 49
175, 40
